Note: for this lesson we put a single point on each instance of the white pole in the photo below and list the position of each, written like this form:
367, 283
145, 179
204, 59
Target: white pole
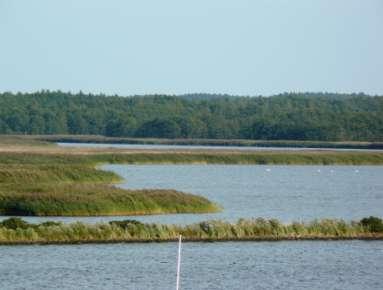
179, 263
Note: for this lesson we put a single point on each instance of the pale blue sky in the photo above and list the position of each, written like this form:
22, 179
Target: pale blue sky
176, 46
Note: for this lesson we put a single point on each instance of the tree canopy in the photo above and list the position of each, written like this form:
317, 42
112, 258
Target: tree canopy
289, 116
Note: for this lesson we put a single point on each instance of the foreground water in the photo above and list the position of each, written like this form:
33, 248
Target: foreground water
241, 265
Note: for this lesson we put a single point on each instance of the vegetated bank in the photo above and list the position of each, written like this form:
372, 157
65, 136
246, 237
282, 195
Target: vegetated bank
16, 231
95, 156
272, 158
208, 142
69, 185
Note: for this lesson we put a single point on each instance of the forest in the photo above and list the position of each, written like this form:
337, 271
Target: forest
288, 116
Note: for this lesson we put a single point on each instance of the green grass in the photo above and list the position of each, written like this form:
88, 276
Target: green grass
17, 231
212, 142
281, 158
284, 158
12, 140
67, 185
98, 199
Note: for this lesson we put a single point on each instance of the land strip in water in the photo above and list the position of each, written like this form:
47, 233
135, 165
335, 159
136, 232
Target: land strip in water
208, 142
16, 231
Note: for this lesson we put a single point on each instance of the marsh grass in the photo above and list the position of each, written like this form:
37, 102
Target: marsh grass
60, 185
17, 231
206, 142
276, 158
12, 140
100, 199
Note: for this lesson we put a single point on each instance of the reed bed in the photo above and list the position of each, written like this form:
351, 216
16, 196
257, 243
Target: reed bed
17, 231
272, 158
98, 200
93, 158
61, 185
206, 142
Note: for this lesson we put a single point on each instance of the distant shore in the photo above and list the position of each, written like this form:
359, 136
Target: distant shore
209, 142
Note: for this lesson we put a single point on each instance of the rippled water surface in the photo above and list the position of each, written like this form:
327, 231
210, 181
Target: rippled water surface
241, 265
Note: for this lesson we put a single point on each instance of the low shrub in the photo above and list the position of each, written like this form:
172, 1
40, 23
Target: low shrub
15, 223
374, 224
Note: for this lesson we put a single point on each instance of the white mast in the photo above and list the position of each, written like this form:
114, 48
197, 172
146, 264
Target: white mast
179, 263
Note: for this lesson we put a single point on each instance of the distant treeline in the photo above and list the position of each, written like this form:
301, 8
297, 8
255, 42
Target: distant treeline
293, 116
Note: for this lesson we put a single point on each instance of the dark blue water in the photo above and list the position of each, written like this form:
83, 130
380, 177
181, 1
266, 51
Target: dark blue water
242, 265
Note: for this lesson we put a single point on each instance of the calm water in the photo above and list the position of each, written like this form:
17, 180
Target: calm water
258, 265
245, 191
283, 192
199, 147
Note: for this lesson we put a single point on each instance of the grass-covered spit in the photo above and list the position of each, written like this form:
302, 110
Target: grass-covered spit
70, 185
17, 231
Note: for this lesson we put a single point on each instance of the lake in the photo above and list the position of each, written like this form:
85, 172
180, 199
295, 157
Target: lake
226, 265
289, 193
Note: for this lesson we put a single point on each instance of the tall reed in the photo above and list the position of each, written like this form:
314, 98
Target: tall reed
17, 231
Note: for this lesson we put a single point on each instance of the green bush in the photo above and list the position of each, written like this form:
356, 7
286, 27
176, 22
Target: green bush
374, 224
15, 223
126, 223
50, 224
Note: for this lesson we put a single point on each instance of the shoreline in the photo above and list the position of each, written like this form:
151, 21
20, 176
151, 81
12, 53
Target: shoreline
208, 142
16, 231
175, 240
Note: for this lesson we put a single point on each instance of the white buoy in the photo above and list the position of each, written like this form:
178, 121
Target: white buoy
179, 263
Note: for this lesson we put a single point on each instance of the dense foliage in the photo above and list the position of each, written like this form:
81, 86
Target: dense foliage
292, 116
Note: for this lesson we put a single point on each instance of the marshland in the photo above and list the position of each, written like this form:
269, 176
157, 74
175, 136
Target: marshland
250, 131
69, 185
109, 203
41, 179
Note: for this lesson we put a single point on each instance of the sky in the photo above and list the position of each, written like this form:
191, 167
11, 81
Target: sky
241, 47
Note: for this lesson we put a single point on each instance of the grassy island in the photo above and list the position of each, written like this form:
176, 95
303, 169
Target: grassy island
47, 184
17, 231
